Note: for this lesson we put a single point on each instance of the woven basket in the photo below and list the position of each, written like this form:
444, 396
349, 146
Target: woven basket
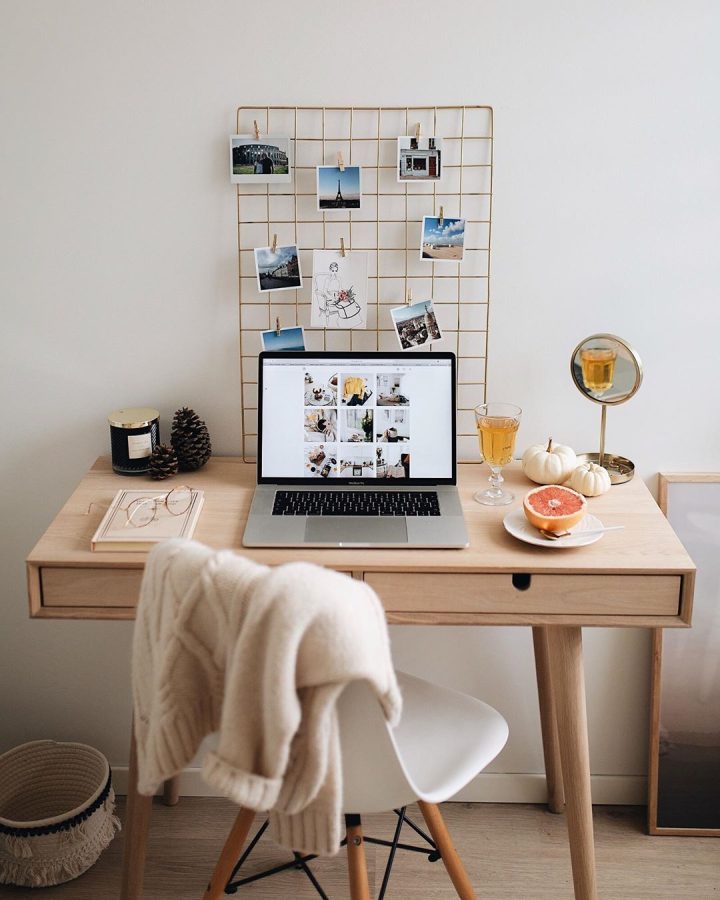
56, 812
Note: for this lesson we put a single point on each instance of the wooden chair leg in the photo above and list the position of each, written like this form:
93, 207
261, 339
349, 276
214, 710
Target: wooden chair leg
137, 825
229, 855
171, 791
357, 865
451, 860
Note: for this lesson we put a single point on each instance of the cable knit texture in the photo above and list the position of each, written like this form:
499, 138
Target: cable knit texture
261, 656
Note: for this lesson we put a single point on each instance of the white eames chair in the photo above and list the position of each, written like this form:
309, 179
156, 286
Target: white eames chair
444, 739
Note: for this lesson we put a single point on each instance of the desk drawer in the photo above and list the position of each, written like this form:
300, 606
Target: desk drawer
90, 587
627, 595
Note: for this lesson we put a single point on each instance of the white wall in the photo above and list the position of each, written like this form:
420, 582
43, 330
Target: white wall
118, 270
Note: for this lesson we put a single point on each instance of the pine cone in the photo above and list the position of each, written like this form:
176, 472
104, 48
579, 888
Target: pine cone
163, 462
191, 439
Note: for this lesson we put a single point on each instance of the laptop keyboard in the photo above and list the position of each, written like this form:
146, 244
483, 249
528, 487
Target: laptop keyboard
356, 503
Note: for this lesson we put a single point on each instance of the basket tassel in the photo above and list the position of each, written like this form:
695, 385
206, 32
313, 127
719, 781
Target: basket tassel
19, 847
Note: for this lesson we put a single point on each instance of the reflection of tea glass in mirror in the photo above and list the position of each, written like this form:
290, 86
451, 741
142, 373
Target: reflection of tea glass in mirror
497, 426
607, 370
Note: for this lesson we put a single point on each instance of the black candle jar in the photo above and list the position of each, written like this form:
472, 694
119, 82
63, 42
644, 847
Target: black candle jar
134, 434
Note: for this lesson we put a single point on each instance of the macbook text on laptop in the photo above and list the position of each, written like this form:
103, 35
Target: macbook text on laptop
356, 450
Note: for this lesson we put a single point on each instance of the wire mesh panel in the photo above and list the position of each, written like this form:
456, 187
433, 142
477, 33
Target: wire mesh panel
387, 226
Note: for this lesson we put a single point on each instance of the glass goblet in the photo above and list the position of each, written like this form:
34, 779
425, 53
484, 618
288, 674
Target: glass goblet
497, 425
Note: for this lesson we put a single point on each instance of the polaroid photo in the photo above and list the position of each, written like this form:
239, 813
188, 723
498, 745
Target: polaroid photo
321, 461
264, 161
415, 324
278, 269
442, 241
285, 339
392, 461
338, 189
419, 159
339, 293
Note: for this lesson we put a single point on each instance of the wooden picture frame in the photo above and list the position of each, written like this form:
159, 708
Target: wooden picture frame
672, 806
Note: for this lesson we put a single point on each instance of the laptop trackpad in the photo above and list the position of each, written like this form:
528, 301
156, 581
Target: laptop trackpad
356, 530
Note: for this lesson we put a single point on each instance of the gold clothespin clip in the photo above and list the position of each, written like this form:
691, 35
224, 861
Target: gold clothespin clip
417, 131
441, 217
342, 246
340, 162
408, 301
274, 243
257, 130
277, 326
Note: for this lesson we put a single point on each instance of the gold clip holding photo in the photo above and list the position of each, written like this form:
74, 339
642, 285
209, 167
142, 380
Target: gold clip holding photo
441, 217
340, 162
417, 131
274, 243
408, 300
342, 246
277, 325
257, 130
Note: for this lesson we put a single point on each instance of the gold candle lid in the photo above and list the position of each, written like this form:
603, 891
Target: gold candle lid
133, 417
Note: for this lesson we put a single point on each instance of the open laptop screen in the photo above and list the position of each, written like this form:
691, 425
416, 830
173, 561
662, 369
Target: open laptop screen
356, 418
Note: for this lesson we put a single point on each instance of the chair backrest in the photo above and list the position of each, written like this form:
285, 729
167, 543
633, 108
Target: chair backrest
444, 739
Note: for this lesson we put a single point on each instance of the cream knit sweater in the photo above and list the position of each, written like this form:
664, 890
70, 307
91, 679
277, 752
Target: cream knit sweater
261, 656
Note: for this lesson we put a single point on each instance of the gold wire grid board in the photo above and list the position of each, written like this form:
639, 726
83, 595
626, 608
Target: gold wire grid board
387, 226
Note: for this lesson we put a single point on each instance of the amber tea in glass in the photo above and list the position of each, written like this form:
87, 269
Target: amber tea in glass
497, 426
598, 368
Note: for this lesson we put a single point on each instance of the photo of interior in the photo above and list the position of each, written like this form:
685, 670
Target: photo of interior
390, 390
356, 425
356, 461
392, 426
392, 461
320, 424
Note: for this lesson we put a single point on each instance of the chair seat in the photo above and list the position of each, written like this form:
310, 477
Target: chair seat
444, 739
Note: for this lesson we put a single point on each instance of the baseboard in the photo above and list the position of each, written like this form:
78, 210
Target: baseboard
607, 790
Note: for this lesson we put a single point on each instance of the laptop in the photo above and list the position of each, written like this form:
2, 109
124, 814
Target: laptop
356, 450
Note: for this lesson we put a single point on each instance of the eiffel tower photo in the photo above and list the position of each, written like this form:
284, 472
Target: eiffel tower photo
338, 189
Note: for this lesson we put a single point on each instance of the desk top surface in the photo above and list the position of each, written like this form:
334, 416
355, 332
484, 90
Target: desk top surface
646, 545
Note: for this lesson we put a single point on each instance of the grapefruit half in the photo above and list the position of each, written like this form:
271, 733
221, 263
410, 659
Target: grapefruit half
554, 507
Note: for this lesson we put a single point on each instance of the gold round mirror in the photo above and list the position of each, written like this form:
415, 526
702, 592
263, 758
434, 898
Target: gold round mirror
607, 370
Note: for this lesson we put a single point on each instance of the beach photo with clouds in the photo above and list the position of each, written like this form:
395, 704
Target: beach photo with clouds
442, 239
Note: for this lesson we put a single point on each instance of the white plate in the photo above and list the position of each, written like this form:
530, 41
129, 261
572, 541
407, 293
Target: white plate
323, 401
517, 525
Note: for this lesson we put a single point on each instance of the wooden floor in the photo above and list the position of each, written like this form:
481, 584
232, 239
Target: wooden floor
510, 851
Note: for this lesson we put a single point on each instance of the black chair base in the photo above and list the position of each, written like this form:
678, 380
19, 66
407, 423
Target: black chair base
300, 862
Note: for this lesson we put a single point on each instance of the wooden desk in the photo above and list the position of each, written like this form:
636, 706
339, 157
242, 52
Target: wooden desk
639, 577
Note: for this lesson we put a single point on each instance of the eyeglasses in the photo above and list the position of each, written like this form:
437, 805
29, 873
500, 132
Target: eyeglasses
144, 510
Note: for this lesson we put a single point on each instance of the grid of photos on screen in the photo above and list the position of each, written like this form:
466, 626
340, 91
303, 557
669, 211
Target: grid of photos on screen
356, 425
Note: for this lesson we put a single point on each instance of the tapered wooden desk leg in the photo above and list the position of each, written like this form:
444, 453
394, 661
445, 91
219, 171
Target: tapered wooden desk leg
357, 864
451, 860
171, 791
548, 721
137, 825
230, 855
566, 663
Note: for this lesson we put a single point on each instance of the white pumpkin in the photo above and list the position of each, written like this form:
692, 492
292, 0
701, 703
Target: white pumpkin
551, 464
590, 480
